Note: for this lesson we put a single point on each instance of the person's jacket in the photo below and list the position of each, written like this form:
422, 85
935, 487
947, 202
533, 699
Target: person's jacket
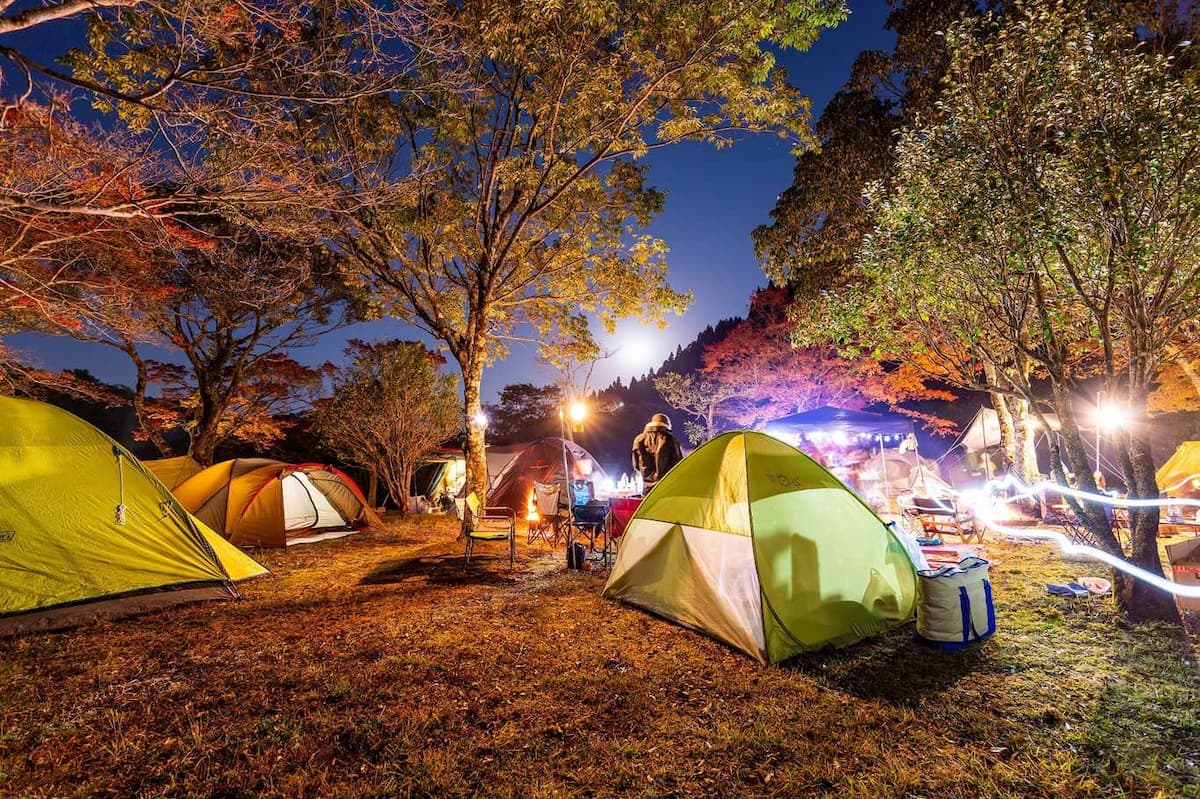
655, 451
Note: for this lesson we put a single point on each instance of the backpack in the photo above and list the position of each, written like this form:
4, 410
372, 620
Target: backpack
954, 604
576, 554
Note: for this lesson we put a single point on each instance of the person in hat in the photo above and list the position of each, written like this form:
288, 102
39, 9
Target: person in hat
655, 450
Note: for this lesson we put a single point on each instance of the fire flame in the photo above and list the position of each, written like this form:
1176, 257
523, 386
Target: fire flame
531, 512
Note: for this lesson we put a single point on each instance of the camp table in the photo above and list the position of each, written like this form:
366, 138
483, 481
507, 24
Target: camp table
621, 510
605, 518
1180, 527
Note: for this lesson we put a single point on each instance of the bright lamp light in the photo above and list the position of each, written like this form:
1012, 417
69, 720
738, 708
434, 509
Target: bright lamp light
578, 412
1111, 417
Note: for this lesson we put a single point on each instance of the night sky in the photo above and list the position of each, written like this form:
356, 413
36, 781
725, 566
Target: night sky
714, 199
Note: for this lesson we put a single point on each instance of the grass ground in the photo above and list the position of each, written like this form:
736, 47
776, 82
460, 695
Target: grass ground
379, 666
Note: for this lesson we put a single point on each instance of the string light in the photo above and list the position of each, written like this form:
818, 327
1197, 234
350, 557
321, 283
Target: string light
842, 438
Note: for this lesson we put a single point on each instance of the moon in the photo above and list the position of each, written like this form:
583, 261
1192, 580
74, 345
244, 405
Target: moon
636, 349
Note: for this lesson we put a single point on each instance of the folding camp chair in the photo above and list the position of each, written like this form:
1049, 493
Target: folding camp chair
943, 517
1059, 512
547, 502
489, 524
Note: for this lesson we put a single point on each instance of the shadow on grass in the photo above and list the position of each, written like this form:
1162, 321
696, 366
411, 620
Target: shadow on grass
893, 667
1133, 725
443, 568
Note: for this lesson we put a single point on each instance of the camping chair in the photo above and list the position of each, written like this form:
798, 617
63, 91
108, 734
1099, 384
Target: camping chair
942, 517
1059, 512
546, 497
489, 524
590, 521
582, 492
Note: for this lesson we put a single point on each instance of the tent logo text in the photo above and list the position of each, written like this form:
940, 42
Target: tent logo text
786, 480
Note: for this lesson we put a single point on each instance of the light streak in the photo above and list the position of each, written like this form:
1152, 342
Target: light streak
1048, 485
976, 500
1120, 564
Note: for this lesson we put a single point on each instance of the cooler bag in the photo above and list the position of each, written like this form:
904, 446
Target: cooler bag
954, 604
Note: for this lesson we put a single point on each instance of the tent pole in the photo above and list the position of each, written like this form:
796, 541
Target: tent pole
887, 489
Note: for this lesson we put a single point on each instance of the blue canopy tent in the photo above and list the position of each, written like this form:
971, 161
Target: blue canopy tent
842, 426
828, 420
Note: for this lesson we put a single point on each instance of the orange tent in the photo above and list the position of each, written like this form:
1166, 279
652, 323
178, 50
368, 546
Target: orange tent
257, 502
173, 471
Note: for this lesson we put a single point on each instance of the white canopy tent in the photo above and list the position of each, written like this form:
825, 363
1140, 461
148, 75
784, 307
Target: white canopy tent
983, 433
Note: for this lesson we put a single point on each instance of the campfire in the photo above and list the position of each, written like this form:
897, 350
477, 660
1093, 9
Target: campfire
531, 511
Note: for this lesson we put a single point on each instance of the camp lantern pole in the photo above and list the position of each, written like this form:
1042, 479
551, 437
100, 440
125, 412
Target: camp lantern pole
578, 412
567, 487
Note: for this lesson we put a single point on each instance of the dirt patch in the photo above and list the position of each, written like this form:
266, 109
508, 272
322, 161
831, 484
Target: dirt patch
381, 665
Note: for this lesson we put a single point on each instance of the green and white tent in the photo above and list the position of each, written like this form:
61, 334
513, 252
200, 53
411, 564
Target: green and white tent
752, 542
87, 531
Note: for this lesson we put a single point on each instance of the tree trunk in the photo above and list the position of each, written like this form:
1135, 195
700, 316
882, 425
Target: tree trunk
1008, 433
406, 472
402, 495
1091, 514
204, 441
398, 490
1139, 600
1025, 440
476, 454
373, 488
139, 405
204, 446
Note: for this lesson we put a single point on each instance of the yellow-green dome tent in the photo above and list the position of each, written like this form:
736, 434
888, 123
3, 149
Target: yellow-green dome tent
752, 542
86, 531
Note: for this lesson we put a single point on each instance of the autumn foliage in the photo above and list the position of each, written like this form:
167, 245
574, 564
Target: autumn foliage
756, 373
80, 223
